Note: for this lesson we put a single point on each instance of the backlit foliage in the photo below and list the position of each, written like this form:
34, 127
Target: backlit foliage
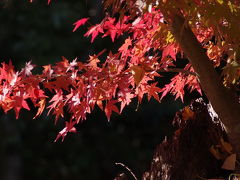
149, 49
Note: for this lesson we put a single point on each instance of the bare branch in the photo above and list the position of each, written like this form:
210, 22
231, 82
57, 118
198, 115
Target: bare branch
178, 70
128, 169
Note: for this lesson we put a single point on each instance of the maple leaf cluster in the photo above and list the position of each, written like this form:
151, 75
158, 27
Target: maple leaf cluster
80, 87
131, 72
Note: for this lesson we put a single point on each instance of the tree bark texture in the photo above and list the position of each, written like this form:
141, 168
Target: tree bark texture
224, 102
187, 155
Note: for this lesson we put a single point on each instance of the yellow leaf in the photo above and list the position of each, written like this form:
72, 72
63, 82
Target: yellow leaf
138, 73
232, 7
220, 1
169, 38
230, 73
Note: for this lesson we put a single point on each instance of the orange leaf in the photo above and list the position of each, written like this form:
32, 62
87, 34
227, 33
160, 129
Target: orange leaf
138, 73
125, 46
187, 114
41, 104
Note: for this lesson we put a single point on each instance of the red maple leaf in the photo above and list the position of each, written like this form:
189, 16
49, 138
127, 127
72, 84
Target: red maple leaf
124, 47
57, 105
111, 107
175, 87
169, 50
125, 97
62, 82
47, 70
115, 29
153, 91
69, 127
79, 23
111, 28
94, 31
18, 102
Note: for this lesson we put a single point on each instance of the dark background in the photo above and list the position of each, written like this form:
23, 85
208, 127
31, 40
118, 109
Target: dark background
41, 33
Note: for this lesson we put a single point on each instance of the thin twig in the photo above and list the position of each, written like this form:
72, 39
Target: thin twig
179, 70
128, 169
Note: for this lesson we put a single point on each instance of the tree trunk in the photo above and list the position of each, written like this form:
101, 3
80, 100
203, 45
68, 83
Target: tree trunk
187, 155
224, 102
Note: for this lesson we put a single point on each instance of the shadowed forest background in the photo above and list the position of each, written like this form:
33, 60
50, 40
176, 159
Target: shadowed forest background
42, 34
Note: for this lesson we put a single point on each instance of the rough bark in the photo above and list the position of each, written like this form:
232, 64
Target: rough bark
223, 100
187, 154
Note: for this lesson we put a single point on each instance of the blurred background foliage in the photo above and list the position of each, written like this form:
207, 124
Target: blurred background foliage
41, 33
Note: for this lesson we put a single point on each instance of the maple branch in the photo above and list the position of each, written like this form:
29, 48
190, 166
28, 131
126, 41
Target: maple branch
178, 70
223, 100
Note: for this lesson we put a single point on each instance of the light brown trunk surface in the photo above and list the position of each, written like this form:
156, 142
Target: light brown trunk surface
223, 101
